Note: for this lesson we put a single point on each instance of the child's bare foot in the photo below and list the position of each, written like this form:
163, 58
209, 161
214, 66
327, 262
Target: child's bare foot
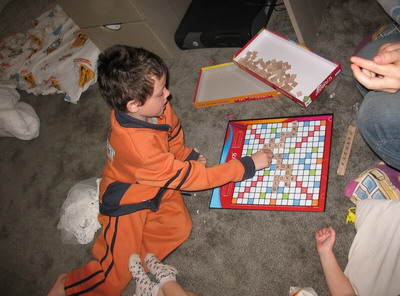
325, 239
58, 288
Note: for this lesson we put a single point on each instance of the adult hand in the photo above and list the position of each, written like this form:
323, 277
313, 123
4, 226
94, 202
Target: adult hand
388, 53
383, 72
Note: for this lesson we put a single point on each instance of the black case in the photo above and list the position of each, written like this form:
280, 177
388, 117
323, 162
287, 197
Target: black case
222, 23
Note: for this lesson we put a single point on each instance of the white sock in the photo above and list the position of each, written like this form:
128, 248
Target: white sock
144, 285
162, 272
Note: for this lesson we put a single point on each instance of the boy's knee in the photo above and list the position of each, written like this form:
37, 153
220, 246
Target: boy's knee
186, 228
189, 227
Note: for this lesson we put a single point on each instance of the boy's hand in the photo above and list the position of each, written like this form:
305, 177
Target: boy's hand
325, 239
262, 159
202, 159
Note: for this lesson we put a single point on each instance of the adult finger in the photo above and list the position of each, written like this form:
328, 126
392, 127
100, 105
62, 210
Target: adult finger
368, 72
389, 47
388, 57
385, 70
385, 84
361, 77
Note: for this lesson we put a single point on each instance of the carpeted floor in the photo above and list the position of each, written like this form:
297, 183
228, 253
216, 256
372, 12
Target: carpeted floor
231, 253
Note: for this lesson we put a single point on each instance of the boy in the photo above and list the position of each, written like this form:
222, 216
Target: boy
141, 208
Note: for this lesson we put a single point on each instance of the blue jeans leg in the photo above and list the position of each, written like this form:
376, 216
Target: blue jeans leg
379, 114
379, 123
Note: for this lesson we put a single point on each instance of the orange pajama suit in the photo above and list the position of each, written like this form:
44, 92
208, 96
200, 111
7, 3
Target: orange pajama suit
141, 208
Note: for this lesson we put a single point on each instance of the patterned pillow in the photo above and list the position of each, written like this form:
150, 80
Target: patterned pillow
378, 182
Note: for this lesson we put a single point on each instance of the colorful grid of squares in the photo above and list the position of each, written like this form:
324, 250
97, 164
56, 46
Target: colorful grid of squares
294, 176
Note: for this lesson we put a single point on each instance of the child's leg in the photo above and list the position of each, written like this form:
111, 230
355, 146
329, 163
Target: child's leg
58, 288
137, 233
144, 286
163, 273
172, 288
168, 228
109, 273
166, 276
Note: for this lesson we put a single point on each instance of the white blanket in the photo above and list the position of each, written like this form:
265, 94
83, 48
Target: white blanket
374, 258
53, 57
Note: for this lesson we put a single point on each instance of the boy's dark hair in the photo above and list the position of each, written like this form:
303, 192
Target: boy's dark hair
126, 73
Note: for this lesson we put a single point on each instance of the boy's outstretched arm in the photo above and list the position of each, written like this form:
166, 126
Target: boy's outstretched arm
262, 159
155, 166
338, 283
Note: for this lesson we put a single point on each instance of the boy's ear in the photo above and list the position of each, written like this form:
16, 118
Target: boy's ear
132, 106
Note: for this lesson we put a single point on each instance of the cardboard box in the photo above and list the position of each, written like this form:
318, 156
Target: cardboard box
227, 83
290, 68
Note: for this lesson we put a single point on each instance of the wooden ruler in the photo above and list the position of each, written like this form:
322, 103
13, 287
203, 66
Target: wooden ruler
348, 142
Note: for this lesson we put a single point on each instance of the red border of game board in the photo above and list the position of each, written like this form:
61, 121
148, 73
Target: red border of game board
224, 193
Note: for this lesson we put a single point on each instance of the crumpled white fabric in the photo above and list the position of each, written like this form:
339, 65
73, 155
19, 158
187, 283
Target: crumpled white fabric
17, 119
78, 222
53, 57
374, 257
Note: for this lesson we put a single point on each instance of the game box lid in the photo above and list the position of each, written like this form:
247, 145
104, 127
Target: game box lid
227, 83
292, 69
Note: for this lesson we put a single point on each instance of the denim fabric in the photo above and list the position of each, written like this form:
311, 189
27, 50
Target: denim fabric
392, 8
379, 114
379, 123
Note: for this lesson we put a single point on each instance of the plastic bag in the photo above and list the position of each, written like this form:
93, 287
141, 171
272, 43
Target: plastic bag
78, 222
297, 291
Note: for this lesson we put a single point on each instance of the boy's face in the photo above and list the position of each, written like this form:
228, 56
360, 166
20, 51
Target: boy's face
155, 104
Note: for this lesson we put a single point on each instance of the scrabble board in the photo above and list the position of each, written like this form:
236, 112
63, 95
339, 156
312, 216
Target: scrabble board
297, 178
